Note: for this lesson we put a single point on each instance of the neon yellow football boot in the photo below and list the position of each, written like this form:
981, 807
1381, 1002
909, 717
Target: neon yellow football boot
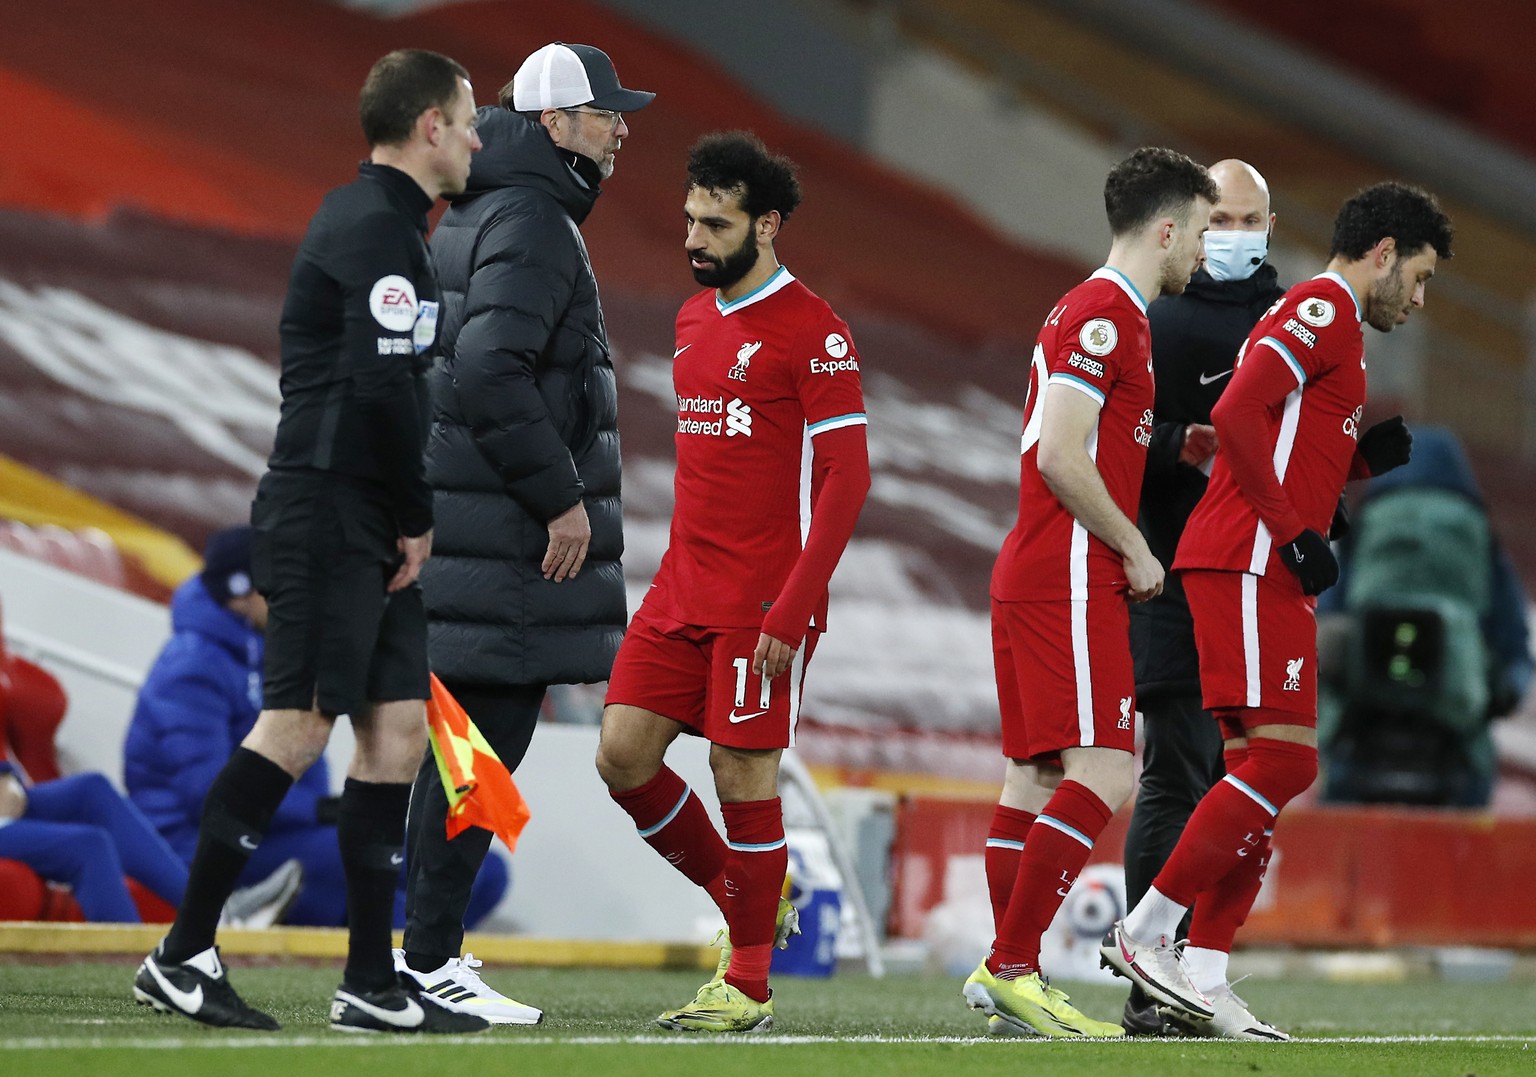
1029, 1006
719, 1007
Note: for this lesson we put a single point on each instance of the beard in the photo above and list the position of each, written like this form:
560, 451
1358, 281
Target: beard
1385, 301
1175, 277
724, 272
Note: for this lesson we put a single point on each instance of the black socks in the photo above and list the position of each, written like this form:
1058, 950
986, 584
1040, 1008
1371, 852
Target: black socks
240, 804
371, 830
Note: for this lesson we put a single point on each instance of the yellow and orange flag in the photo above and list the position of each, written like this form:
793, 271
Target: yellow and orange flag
480, 790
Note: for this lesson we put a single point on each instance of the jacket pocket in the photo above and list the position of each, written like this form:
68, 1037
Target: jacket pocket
579, 395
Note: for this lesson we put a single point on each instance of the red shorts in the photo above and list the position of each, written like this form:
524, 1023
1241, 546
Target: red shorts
1257, 638
1064, 675
702, 677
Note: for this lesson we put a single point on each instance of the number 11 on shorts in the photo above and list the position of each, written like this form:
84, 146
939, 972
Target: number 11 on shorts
742, 665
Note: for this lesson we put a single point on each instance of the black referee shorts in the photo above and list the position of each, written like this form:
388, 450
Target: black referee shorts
322, 553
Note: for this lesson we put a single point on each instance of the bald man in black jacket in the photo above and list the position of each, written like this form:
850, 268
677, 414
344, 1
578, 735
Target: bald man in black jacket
1195, 339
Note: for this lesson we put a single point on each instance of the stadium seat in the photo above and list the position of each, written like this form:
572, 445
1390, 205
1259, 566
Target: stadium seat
32, 705
88, 551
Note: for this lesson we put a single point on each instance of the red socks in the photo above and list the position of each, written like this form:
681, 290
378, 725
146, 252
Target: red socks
1224, 907
672, 820
745, 879
1056, 850
754, 871
1229, 826
1005, 843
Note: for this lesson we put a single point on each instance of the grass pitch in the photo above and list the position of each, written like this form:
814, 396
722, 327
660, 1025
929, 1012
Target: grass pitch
80, 1020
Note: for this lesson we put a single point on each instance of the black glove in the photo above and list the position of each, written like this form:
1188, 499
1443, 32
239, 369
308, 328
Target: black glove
1308, 556
1386, 445
1340, 525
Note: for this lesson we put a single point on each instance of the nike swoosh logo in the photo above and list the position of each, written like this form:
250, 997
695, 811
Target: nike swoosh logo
185, 1001
1300, 557
1204, 380
1127, 956
409, 1017
395, 860
247, 843
681, 350
744, 717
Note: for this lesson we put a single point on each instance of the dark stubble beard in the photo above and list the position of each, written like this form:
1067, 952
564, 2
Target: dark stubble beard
724, 272
1383, 306
1173, 280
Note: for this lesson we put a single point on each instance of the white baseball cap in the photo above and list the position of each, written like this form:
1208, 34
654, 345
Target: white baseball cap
563, 76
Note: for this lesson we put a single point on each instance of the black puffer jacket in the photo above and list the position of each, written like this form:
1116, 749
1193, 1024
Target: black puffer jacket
525, 423
1195, 338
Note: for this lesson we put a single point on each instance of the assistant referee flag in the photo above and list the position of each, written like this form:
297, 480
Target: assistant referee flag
480, 790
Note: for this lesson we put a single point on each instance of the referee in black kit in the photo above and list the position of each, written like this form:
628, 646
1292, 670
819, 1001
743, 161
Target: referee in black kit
342, 525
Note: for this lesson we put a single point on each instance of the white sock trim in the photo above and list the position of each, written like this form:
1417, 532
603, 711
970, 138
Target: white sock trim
1207, 968
1154, 915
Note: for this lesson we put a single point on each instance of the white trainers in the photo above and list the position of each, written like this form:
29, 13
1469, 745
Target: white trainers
1159, 968
458, 987
1233, 1020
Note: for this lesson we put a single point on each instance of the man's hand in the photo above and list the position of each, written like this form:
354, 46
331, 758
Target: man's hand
13, 797
413, 553
569, 536
1386, 445
1310, 558
772, 656
1143, 572
1200, 444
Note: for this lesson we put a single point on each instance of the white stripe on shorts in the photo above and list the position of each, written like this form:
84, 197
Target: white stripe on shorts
795, 679
1082, 670
1251, 636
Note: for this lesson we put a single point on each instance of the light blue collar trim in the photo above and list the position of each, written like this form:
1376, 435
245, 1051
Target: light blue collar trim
1342, 283
1106, 273
780, 279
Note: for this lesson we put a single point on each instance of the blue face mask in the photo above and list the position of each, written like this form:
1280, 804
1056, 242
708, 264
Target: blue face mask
1235, 255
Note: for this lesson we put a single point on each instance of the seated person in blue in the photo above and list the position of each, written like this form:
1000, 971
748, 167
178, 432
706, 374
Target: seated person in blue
79, 831
200, 699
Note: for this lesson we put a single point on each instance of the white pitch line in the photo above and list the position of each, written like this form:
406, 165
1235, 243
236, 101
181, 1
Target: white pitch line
244, 1042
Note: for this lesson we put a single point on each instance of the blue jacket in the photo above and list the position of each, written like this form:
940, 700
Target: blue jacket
199, 701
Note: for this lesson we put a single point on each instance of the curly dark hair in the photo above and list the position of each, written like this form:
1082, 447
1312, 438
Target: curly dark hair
400, 88
738, 162
1410, 215
1151, 182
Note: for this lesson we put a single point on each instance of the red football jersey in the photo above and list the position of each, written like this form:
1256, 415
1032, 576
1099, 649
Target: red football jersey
757, 381
1096, 341
1293, 410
